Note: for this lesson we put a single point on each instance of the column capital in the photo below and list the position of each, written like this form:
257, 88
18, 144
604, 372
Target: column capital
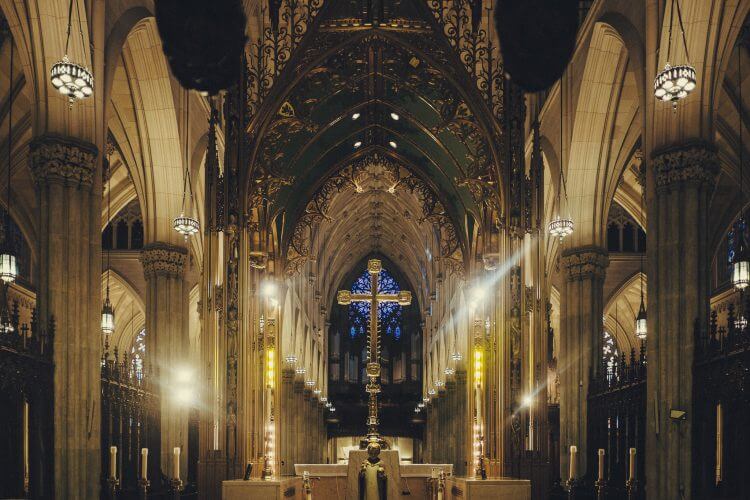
696, 162
64, 160
585, 262
163, 259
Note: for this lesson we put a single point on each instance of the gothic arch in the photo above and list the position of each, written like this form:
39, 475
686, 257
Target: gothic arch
621, 311
129, 310
598, 107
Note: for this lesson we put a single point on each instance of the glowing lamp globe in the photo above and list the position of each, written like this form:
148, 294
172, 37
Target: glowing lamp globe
561, 227
8, 266
72, 80
674, 82
186, 226
108, 317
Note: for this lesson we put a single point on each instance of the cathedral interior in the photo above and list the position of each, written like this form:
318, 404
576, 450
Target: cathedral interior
374, 249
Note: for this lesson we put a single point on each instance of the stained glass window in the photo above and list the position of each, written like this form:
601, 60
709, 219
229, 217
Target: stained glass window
733, 240
389, 313
138, 353
610, 353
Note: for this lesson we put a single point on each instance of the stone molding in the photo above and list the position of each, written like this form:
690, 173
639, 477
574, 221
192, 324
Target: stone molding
163, 259
62, 160
697, 163
585, 263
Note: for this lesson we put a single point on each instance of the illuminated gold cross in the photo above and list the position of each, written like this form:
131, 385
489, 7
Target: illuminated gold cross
345, 297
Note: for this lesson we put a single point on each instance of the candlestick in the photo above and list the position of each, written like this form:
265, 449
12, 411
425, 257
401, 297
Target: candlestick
175, 486
144, 463
143, 485
632, 464
113, 461
573, 465
601, 464
176, 463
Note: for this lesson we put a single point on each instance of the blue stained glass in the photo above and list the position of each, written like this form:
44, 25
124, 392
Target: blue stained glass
733, 240
389, 313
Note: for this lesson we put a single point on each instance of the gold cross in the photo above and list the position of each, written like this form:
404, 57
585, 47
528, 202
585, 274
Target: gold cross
345, 297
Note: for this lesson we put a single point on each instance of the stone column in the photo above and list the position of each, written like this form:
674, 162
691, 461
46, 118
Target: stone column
286, 421
69, 193
582, 308
678, 291
167, 342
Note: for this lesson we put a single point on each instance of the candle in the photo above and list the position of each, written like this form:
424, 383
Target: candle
632, 463
113, 462
601, 464
176, 463
573, 455
144, 463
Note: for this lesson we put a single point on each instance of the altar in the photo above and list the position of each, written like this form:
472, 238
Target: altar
340, 481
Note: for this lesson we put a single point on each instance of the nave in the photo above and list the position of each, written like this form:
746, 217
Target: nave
374, 249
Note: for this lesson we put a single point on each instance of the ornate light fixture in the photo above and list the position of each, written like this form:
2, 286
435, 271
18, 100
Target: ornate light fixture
641, 321
740, 323
450, 371
68, 78
675, 82
8, 260
560, 226
108, 312
741, 259
186, 225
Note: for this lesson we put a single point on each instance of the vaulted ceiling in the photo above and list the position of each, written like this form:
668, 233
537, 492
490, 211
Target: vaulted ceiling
376, 136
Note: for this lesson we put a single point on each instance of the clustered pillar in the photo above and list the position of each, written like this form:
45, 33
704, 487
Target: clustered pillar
64, 171
678, 293
582, 309
167, 302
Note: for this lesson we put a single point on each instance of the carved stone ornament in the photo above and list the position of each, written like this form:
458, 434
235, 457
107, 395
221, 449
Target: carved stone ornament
64, 160
163, 259
585, 263
698, 163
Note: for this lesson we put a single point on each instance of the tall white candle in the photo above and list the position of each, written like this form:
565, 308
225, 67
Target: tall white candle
176, 463
632, 463
144, 463
113, 461
601, 464
573, 464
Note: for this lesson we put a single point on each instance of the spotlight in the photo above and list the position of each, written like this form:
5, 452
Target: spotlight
528, 400
393, 144
183, 375
478, 294
357, 144
269, 289
183, 395
395, 116
355, 116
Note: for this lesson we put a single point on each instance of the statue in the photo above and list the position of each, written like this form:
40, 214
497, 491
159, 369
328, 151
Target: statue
372, 478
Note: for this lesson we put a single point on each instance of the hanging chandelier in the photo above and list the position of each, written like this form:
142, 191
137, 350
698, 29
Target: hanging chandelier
559, 226
8, 259
68, 78
186, 225
641, 322
741, 259
108, 312
675, 82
